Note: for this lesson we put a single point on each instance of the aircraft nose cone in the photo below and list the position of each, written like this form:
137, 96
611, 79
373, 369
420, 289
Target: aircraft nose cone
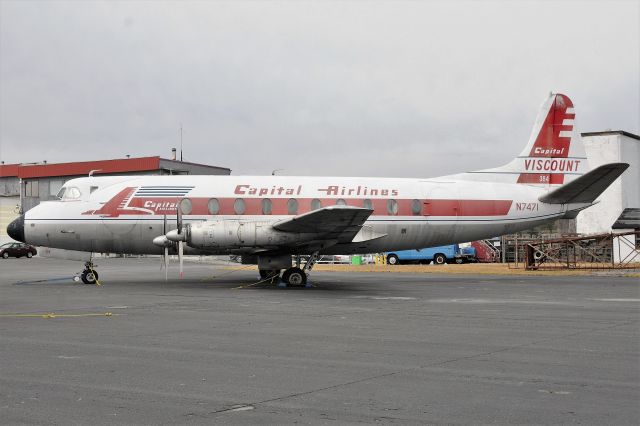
16, 229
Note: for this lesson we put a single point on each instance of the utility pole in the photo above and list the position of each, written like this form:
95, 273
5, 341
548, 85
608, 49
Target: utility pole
180, 141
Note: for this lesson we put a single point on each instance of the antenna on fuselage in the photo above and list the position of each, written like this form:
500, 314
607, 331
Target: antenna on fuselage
91, 172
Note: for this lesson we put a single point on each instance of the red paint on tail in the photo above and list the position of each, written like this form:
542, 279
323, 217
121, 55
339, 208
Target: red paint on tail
551, 179
555, 134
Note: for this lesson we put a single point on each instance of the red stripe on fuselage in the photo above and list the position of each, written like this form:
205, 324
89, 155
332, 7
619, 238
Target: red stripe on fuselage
279, 206
466, 207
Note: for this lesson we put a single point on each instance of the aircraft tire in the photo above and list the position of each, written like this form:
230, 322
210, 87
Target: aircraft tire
439, 259
392, 259
294, 276
89, 277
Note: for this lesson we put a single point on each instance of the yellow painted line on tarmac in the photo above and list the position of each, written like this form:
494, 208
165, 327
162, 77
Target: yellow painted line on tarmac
231, 271
48, 315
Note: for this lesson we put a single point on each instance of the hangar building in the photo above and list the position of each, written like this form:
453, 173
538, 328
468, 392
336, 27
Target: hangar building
624, 194
23, 186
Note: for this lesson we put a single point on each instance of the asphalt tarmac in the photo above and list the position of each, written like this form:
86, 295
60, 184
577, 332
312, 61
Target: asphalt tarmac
356, 348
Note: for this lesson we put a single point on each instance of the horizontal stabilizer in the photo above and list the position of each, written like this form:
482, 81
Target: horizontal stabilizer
586, 188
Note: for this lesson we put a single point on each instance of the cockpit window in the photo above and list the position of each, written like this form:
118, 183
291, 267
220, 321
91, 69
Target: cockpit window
72, 193
61, 192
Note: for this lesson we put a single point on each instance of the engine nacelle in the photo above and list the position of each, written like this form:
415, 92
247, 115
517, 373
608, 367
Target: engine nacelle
223, 234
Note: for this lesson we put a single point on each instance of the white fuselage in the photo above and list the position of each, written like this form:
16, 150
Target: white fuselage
123, 214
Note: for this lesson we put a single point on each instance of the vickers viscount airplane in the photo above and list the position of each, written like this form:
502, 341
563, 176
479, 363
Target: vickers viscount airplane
267, 219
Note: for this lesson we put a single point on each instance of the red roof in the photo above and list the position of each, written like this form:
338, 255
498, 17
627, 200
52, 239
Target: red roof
8, 170
81, 168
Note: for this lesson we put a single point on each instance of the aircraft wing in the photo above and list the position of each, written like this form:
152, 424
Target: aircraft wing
340, 223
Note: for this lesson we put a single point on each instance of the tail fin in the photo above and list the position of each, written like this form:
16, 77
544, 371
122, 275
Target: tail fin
554, 154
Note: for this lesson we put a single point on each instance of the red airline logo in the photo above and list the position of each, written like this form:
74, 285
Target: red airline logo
555, 134
119, 205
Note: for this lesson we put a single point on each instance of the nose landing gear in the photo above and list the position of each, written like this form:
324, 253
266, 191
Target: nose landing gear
89, 275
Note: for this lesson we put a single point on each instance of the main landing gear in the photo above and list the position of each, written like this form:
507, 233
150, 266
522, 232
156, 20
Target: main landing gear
89, 275
296, 275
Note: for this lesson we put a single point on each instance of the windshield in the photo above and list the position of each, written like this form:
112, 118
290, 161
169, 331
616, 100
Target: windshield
6, 245
69, 193
72, 193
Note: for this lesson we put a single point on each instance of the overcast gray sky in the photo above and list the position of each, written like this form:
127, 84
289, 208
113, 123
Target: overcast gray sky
322, 88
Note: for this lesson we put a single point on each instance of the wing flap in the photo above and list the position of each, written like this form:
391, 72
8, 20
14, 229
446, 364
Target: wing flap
587, 187
367, 234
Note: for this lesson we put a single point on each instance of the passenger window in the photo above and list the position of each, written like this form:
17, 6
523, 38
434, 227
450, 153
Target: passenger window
292, 206
416, 207
214, 206
185, 206
267, 206
316, 204
341, 202
239, 206
367, 204
392, 207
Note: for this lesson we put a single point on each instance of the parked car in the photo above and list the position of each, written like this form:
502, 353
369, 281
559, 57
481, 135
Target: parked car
17, 250
439, 255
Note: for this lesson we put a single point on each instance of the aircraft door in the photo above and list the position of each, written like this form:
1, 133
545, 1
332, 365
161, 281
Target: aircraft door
441, 208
